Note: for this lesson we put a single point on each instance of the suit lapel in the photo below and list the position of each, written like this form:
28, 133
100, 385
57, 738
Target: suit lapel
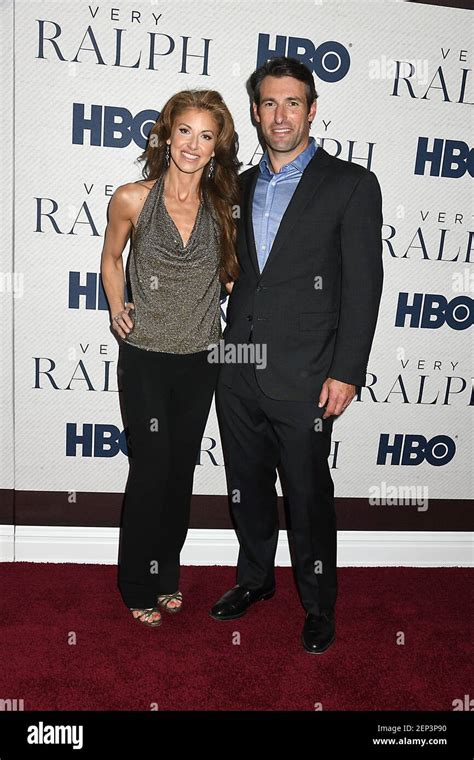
248, 202
309, 183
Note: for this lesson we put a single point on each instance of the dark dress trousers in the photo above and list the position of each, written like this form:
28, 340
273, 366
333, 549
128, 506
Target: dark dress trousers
311, 313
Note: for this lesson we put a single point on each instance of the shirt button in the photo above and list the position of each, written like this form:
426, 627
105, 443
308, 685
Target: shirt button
267, 214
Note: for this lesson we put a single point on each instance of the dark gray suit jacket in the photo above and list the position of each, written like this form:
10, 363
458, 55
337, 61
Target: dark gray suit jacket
315, 304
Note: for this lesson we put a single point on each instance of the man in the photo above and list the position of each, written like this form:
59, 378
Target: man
310, 251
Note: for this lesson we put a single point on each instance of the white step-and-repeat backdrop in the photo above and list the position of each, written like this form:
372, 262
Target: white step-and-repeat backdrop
395, 89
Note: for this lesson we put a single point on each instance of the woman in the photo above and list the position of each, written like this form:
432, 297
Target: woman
182, 228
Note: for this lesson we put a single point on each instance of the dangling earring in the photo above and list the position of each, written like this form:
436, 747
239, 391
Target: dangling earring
210, 171
167, 155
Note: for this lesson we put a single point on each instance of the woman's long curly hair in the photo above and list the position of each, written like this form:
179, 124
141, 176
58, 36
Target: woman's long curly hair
223, 188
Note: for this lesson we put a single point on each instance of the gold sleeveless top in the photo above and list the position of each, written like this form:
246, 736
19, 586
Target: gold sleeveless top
175, 288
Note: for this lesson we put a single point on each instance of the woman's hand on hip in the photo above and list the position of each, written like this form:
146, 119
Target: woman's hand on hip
122, 322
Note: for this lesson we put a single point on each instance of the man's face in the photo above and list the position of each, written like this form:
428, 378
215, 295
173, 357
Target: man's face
283, 113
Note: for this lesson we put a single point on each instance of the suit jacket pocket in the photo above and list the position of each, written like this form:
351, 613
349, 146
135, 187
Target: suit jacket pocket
318, 320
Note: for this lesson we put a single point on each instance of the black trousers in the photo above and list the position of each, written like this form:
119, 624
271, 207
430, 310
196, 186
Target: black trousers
258, 434
166, 400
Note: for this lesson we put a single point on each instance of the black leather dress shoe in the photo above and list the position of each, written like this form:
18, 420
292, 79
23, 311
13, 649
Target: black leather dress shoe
237, 600
319, 632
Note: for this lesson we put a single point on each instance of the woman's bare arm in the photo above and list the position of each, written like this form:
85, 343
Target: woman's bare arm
123, 208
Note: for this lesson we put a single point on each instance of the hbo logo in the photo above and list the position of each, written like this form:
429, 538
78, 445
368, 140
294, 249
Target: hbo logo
415, 449
330, 61
433, 311
111, 126
447, 158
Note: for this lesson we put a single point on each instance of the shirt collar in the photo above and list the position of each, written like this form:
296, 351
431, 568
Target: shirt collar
300, 162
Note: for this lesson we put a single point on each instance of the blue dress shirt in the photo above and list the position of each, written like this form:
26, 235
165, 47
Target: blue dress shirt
273, 193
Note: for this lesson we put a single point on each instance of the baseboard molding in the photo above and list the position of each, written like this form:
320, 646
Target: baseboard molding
42, 543
7, 543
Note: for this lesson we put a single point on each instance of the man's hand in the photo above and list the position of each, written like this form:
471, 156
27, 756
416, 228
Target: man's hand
336, 396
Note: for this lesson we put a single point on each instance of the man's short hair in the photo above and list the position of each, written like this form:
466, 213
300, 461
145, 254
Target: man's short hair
282, 67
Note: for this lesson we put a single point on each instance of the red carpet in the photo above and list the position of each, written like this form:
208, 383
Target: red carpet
192, 663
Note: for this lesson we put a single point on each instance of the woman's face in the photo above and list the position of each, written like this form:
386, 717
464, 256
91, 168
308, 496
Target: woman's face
192, 140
